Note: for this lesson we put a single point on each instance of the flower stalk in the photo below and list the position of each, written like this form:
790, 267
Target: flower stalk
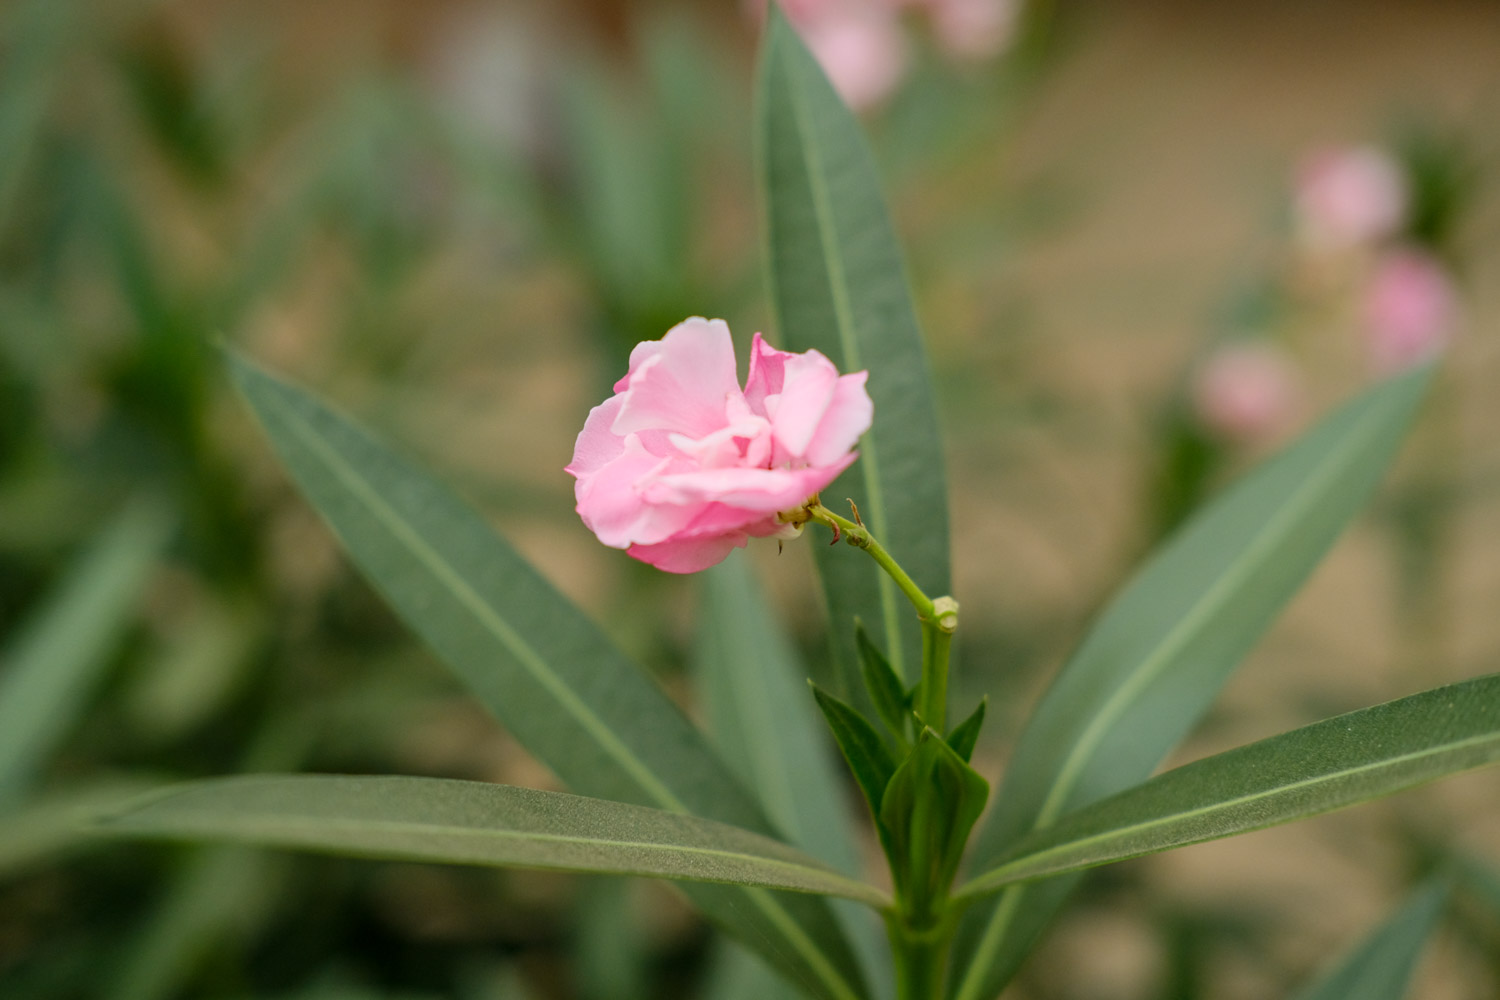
929, 800
939, 617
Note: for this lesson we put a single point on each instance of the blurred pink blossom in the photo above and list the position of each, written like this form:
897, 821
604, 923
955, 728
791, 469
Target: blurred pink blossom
861, 48
1349, 197
859, 44
680, 466
1410, 309
1246, 391
973, 29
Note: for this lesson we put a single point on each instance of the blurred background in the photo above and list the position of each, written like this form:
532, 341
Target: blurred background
1149, 241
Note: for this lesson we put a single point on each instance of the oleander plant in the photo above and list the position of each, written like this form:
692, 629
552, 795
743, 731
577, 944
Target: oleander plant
826, 435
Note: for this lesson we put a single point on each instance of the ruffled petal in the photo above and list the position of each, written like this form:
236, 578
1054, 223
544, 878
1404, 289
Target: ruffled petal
848, 416
689, 555
612, 506
806, 392
767, 368
764, 490
597, 445
684, 384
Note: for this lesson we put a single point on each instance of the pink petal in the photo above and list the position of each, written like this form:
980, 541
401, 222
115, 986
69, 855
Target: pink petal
639, 355
806, 391
767, 368
763, 490
683, 384
597, 445
848, 416
689, 555
613, 508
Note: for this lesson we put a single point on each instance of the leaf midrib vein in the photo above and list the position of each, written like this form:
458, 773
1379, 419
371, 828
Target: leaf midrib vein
848, 340
294, 828
1000, 876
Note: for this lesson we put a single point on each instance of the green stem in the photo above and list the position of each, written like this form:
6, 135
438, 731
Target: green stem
859, 536
919, 957
932, 691
938, 617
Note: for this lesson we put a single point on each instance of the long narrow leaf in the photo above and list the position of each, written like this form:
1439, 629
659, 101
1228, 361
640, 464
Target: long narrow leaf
51, 667
1158, 656
762, 717
1381, 966
1329, 765
52, 824
470, 822
839, 285
534, 660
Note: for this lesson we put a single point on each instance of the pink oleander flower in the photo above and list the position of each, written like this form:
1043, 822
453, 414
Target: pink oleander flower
1410, 309
1246, 391
680, 465
973, 29
859, 44
1346, 198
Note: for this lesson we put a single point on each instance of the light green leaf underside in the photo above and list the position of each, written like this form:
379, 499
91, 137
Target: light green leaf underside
1381, 966
838, 284
50, 667
762, 717
535, 661
1329, 765
1159, 654
466, 822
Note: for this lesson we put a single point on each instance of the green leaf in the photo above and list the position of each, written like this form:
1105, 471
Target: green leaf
838, 284
1329, 765
930, 805
611, 950
1380, 967
1157, 657
966, 733
736, 974
53, 824
49, 670
37, 34
470, 822
886, 691
535, 661
762, 718
868, 756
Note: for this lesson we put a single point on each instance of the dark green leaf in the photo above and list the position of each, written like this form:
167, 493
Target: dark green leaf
1329, 765
1380, 967
771, 733
886, 691
534, 660
1159, 654
966, 733
930, 805
469, 822
764, 719
868, 756
838, 284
